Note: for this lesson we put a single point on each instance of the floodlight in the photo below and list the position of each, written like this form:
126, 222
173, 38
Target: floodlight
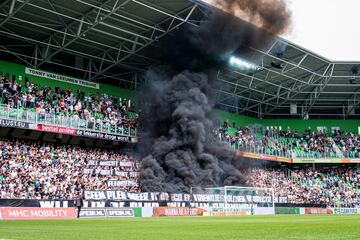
243, 65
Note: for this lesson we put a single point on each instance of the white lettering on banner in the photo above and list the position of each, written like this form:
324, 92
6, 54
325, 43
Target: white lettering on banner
88, 171
38, 213
48, 213
116, 195
54, 204
112, 137
156, 196
120, 173
13, 123
120, 213
121, 183
134, 174
108, 163
19, 213
98, 204
177, 197
117, 204
103, 172
125, 164
95, 195
50, 204
92, 213
93, 162
111, 163
61, 78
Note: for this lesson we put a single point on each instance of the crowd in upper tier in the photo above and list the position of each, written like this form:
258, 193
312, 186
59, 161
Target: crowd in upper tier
331, 187
48, 171
291, 143
348, 143
95, 108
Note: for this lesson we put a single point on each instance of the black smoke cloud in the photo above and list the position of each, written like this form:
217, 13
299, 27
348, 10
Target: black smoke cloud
178, 145
182, 151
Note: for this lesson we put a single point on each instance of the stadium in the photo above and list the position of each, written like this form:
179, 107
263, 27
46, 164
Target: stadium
173, 119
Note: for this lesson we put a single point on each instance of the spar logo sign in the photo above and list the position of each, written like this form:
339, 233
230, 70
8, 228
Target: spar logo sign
36, 213
106, 212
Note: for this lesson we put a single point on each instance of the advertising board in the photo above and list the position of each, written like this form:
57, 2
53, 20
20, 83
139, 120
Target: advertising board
24, 213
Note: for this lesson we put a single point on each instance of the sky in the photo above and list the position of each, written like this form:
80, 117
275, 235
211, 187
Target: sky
327, 27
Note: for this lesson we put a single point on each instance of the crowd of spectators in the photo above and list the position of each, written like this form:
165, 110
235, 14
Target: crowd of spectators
48, 171
242, 137
348, 143
94, 108
312, 143
39, 170
330, 187
288, 143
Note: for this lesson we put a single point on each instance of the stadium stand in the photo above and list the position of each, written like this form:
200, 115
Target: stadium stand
339, 187
38, 170
100, 112
292, 143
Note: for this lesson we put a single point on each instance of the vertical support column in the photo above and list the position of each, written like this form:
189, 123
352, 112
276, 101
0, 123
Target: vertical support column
273, 199
225, 200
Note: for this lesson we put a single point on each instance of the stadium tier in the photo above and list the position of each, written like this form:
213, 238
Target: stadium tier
46, 103
37, 170
47, 171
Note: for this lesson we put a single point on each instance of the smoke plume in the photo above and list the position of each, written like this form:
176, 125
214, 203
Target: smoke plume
178, 144
271, 15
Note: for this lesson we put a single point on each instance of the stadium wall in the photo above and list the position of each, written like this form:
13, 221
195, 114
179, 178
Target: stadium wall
18, 71
299, 124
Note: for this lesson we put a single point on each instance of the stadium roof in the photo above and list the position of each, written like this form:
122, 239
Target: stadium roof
106, 41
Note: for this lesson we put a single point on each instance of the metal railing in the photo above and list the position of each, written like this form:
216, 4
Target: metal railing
32, 117
258, 148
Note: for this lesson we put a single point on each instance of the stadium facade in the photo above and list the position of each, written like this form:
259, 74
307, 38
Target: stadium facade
69, 115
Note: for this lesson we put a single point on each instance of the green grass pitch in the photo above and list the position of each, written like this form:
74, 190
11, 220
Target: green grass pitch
197, 228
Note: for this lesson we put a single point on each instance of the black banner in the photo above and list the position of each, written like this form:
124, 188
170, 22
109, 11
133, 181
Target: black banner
111, 163
110, 172
14, 123
112, 203
107, 136
121, 183
19, 203
177, 197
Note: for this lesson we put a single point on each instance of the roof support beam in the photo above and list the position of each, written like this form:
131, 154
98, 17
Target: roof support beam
313, 97
24, 58
156, 28
49, 45
12, 5
355, 102
13, 11
67, 34
134, 49
285, 93
94, 24
16, 55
